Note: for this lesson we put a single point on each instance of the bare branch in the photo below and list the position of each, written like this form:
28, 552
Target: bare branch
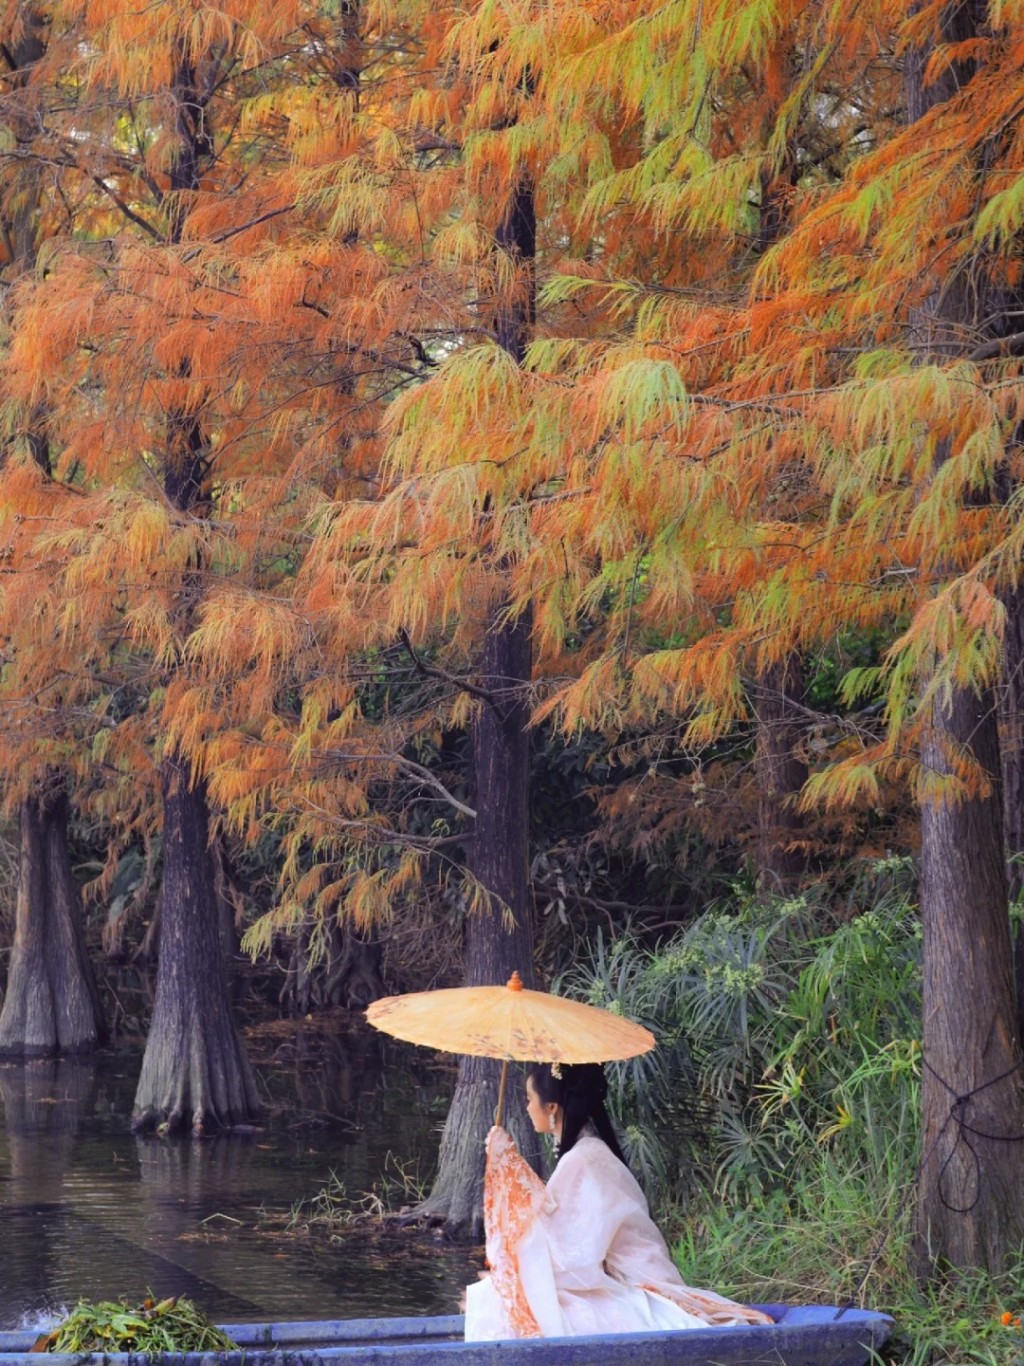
128, 212
430, 671
1013, 345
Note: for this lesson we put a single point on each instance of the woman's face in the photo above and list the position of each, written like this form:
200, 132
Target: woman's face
540, 1112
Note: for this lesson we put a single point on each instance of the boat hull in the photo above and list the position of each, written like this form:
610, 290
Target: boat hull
806, 1335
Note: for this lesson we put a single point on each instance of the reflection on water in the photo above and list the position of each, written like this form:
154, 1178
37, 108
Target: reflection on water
89, 1211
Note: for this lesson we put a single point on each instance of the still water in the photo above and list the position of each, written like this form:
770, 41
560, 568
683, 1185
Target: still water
89, 1211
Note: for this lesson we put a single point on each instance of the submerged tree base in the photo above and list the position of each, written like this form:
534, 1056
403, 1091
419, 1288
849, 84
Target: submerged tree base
195, 1073
52, 1006
195, 1083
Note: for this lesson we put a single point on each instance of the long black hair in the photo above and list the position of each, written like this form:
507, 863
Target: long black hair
580, 1091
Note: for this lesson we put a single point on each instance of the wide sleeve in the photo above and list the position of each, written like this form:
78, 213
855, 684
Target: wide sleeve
513, 1196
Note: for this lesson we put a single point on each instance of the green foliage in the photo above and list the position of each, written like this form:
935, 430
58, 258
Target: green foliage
797, 1021
793, 1022
171, 1325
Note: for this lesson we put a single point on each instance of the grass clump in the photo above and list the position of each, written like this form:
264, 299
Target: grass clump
837, 1236
334, 1211
170, 1325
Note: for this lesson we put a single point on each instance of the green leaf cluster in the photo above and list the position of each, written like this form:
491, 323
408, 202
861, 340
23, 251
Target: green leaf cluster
169, 1325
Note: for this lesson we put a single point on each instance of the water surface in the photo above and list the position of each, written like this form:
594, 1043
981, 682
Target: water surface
87, 1210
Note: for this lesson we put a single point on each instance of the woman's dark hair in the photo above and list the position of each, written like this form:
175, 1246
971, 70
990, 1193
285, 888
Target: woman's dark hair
580, 1091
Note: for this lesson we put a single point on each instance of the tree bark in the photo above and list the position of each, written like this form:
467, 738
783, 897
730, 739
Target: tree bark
779, 691
1011, 717
971, 1194
781, 774
970, 1190
1011, 749
52, 1005
499, 935
195, 1072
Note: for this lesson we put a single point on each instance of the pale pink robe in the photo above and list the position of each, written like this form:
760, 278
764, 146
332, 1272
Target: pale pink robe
580, 1255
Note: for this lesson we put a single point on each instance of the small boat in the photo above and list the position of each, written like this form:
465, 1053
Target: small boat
801, 1335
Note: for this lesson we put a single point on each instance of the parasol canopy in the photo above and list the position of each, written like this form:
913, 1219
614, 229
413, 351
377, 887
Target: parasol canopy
510, 1023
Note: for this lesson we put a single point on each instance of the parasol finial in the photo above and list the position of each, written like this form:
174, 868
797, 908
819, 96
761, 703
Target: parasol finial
514, 983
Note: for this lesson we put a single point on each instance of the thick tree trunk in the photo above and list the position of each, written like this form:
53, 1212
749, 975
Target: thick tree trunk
971, 1188
195, 1073
1011, 737
1011, 747
971, 1185
499, 934
781, 774
51, 1005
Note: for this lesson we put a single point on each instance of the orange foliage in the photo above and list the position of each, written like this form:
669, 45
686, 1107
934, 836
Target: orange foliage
721, 448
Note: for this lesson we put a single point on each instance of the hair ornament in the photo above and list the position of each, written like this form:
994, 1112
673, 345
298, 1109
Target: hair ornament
556, 1071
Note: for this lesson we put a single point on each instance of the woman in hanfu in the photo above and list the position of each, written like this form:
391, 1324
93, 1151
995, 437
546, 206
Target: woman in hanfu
580, 1255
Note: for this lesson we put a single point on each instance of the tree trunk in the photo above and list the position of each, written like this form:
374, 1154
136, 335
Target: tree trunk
1011, 717
230, 903
971, 1194
195, 1073
780, 774
1011, 748
781, 857
970, 1190
499, 935
51, 1005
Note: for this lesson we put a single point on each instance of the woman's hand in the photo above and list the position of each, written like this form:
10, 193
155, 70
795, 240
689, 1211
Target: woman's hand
498, 1141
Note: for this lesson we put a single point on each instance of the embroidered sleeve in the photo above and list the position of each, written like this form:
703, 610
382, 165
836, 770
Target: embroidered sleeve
513, 1196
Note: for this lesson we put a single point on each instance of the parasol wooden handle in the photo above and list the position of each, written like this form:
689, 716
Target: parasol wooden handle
514, 983
499, 1113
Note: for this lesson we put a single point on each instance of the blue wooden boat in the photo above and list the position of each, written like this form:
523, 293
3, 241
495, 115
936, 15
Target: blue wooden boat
804, 1335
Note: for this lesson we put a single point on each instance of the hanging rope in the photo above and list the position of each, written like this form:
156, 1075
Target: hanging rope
965, 1132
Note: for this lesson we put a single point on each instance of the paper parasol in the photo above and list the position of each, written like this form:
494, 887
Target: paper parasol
510, 1023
